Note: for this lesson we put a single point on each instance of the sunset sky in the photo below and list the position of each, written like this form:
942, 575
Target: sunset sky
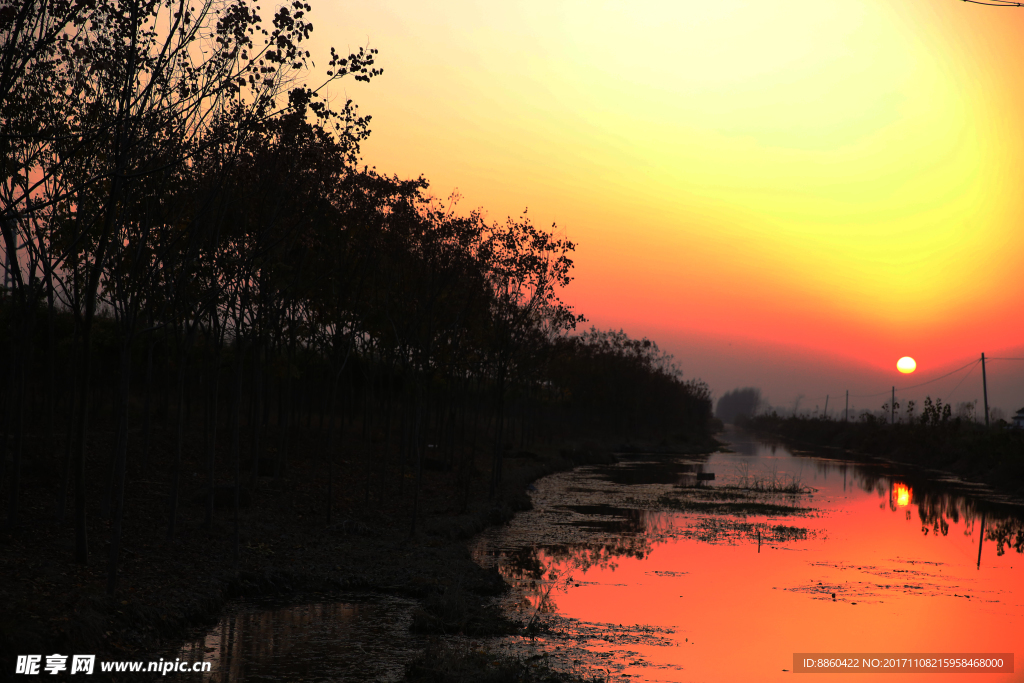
787, 194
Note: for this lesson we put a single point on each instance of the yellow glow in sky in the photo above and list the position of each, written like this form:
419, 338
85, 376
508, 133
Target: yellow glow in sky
832, 175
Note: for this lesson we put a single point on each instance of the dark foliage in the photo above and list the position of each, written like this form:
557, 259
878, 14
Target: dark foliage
993, 455
612, 385
217, 326
736, 403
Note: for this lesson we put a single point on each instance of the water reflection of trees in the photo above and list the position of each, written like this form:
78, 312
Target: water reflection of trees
260, 636
938, 510
938, 505
540, 573
529, 564
299, 642
658, 471
1007, 533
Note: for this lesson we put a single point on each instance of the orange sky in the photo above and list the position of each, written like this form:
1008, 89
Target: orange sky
836, 180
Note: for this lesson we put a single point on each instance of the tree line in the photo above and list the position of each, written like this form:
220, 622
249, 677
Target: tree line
738, 403
190, 243
935, 438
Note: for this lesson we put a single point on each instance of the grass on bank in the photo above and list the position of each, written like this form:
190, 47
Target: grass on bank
992, 455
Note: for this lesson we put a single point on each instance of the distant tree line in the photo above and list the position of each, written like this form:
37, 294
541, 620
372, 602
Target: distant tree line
189, 240
935, 438
738, 403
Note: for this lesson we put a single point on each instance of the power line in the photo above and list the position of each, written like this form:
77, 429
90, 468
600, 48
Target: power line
915, 386
880, 393
949, 399
970, 364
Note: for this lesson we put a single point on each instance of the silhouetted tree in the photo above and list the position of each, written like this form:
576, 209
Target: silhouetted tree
738, 402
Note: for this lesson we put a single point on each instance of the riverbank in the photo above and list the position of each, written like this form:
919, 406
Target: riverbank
172, 590
992, 456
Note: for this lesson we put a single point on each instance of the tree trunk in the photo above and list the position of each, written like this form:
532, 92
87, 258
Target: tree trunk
148, 406
417, 444
21, 363
211, 436
120, 466
498, 435
388, 409
179, 446
236, 426
69, 443
329, 452
81, 413
258, 415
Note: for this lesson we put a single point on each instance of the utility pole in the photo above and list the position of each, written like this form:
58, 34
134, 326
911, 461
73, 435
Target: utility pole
7, 271
984, 391
981, 538
846, 415
892, 406
826, 406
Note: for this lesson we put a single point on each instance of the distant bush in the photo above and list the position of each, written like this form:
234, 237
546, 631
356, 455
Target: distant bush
738, 402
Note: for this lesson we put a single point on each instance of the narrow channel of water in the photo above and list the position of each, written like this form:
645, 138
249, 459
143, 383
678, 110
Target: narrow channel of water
652, 570
649, 572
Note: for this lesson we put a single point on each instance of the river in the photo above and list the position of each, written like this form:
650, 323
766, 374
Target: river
720, 567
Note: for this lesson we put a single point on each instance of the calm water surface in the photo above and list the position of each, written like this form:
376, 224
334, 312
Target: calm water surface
640, 571
365, 638
647, 571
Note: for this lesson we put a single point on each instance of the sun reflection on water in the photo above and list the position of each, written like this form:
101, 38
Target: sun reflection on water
824, 562
903, 495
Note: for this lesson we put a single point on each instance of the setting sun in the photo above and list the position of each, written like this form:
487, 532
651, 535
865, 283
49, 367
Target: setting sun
906, 365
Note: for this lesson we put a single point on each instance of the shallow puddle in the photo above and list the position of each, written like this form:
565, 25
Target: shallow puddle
648, 572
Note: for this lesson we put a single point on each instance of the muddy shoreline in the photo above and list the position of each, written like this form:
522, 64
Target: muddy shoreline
171, 592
